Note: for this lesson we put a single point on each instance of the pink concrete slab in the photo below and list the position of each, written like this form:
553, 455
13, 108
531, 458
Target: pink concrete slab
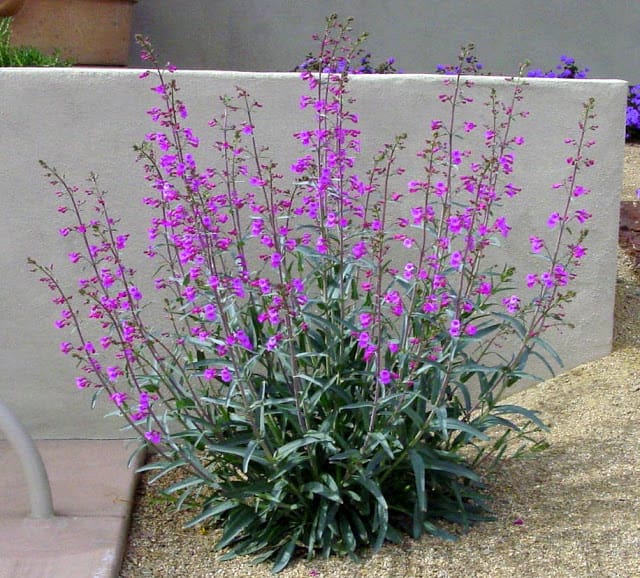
88, 478
62, 547
92, 491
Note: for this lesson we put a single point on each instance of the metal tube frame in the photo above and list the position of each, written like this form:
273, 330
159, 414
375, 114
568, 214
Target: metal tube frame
32, 464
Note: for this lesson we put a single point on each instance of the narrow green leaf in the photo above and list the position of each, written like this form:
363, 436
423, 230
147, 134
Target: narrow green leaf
346, 533
457, 425
322, 490
284, 555
308, 439
381, 508
212, 511
517, 410
417, 463
237, 523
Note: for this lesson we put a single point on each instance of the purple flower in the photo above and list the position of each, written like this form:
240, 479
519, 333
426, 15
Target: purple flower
366, 319
276, 260
210, 313
578, 251
359, 250
113, 373
82, 382
118, 398
385, 376
154, 436
582, 215
135, 293
66, 347
511, 304
537, 244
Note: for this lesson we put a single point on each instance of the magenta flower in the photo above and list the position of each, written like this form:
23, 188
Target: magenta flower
118, 398
512, 304
210, 313
553, 220
366, 319
276, 260
363, 339
560, 275
501, 226
359, 250
385, 376
154, 436
582, 215
135, 293
82, 382
537, 244
113, 373
66, 347
455, 260
578, 251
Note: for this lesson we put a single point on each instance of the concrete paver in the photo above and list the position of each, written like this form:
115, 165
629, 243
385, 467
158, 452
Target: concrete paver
93, 493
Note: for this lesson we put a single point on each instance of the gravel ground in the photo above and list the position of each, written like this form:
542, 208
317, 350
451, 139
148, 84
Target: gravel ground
579, 501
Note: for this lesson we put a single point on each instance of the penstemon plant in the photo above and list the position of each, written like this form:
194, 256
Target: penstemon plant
328, 372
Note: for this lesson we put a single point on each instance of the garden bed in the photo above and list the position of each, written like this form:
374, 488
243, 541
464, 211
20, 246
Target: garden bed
569, 511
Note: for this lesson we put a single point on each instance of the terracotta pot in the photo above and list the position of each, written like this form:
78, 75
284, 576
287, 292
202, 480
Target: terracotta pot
87, 32
10, 7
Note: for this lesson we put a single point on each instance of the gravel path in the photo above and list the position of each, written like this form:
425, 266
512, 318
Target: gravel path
579, 500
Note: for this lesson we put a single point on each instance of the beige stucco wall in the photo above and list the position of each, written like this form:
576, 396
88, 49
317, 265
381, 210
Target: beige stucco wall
274, 35
83, 120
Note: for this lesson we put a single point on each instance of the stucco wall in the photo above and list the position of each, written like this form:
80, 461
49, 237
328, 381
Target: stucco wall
83, 120
274, 35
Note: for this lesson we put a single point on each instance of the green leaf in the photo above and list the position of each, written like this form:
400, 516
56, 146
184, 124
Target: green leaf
382, 509
322, 490
359, 527
237, 523
284, 555
549, 349
346, 533
251, 448
517, 410
417, 463
310, 438
212, 511
516, 324
457, 425
236, 450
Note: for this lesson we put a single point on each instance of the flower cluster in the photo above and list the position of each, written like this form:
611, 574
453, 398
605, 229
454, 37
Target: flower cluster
333, 340
633, 114
566, 69
352, 59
